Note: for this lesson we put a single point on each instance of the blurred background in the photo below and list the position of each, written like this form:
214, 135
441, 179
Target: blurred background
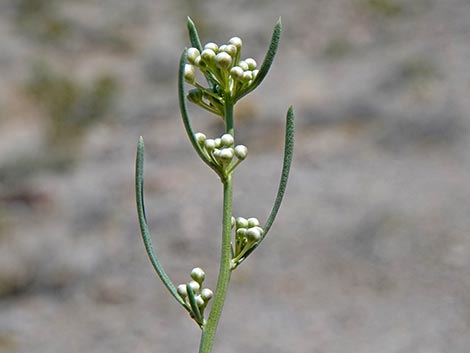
370, 252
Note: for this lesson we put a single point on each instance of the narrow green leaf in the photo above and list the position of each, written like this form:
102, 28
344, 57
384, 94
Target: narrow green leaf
185, 116
193, 35
268, 59
139, 190
194, 308
288, 153
196, 43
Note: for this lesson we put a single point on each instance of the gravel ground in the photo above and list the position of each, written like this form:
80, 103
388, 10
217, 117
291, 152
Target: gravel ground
371, 250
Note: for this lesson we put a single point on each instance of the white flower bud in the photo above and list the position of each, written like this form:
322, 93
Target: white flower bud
241, 151
198, 275
197, 60
193, 53
243, 65
226, 154
209, 144
199, 301
227, 140
216, 153
218, 142
223, 60
208, 55
231, 50
253, 234
200, 137
236, 42
194, 286
212, 46
247, 76
206, 294
251, 63
182, 290
241, 232
222, 48
189, 73
253, 222
232, 221
236, 72
260, 229
255, 73
241, 222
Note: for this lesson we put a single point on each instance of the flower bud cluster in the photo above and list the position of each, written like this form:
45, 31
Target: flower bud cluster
222, 65
201, 295
247, 233
222, 151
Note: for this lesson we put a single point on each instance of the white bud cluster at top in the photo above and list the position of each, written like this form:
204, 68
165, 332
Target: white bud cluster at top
224, 65
202, 295
222, 151
247, 233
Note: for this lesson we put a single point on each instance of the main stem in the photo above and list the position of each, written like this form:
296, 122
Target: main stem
210, 327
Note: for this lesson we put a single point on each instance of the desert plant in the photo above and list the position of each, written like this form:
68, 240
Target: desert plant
229, 78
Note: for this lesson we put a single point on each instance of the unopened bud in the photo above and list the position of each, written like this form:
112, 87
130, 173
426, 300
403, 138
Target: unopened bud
227, 140
251, 63
189, 73
231, 50
236, 42
212, 46
243, 65
195, 286
206, 294
236, 72
198, 275
209, 144
208, 55
223, 60
226, 154
241, 151
241, 222
253, 234
247, 76
182, 290
199, 301
253, 222
241, 232
192, 53
200, 137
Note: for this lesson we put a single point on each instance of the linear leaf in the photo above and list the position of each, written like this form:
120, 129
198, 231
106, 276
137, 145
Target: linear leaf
288, 153
268, 59
193, 35
139, 190
194, 308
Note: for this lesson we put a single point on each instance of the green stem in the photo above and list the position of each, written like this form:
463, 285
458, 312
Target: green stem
210, 326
